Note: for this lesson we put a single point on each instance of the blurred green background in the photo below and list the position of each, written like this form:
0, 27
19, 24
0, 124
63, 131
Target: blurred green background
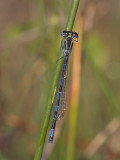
29, 44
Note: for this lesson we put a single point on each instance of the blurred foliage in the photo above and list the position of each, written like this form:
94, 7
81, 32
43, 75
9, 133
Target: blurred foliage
2, 157
29, 43
97, 50
16, 30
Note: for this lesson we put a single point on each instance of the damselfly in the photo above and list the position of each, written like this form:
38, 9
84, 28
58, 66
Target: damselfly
67, 45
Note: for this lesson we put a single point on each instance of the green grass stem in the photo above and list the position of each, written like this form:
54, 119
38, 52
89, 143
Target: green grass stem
41, 141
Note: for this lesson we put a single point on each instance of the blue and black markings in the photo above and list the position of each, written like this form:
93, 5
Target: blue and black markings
68, 37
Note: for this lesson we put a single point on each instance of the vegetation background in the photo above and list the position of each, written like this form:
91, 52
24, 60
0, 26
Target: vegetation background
29, 43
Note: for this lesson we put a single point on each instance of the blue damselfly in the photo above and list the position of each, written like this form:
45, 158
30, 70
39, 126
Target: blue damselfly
66, 45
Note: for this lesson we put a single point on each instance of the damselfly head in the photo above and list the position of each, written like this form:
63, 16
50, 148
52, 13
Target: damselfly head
71, 34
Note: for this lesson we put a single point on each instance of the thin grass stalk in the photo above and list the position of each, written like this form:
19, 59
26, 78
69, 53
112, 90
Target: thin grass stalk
41, 141
72, 14
75, 91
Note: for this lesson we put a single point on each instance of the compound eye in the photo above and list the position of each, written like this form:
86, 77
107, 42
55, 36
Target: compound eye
75, 35
64, 34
